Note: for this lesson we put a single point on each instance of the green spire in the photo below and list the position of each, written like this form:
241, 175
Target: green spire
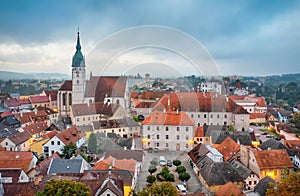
78, 60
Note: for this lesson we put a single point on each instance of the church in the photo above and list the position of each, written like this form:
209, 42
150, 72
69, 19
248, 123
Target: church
107, 90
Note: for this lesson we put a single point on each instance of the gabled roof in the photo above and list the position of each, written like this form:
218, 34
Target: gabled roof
52, 94
39, 99
284, 127
106, 86
36, 128
273, 159
199, 132
263, 185
150, 95
6, 131
109, 184
145, 105
36, 116
198, 152
228, 148
229, 189
24, 101
117, 164
12, 102
126, 154
65, 166
242, 170
46, 109
239, 137
71, 134
13, 173
20, 137
66, 86
83, 109
10, 121
168, 118
257, 115
42, 167
271, 144
6, 113
13, 159
292, 144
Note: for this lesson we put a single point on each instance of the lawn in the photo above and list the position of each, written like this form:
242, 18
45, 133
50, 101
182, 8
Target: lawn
271, 132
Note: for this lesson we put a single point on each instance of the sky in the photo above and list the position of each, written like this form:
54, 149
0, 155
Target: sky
246, 37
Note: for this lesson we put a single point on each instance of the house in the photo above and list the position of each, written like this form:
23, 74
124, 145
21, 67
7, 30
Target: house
18, 142
28, 118
251, 104
214, 154
13, 175
263, 185
271, 144
6, 131
125, 127
229, 149
37, 146
215, 174
39, 100
199, 136
10, 121
257, 118
286, 131
229, 189
56, 143
77, 165
25, 103
52, 96
12, 104
271, 163
173, 130
293, 147
211, 86
52, 114
24, 160
36, 130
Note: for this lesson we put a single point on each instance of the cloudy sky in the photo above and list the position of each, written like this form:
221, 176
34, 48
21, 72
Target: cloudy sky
251, 37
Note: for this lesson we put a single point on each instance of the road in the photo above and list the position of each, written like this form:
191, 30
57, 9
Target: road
257, 132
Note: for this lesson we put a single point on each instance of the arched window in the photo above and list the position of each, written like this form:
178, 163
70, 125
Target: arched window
70, 99
64, 99
117, 101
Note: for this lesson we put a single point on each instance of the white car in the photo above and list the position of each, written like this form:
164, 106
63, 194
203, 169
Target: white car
181, 188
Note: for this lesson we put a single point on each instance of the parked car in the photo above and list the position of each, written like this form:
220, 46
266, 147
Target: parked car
162, 161
181, 189
150, 149
155, 150
169, 163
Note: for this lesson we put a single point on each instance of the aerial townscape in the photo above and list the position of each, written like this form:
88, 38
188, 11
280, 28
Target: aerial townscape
147, 111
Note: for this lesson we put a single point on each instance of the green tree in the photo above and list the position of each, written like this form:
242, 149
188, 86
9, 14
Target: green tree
180, 169
184, 176
230, 128
176, 162
164, 188
92, 143
65, 187
288, 186
152, 169
68, 150
169, 177
296, 120
151, 179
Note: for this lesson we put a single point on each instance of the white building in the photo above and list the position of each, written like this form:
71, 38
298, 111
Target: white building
213, 87
168, 130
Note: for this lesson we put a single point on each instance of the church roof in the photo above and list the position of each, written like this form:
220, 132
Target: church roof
78, 59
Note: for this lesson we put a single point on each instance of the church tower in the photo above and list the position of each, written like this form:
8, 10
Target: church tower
78, 74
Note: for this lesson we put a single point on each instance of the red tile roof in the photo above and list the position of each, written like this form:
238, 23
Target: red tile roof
229, 189
151, 95
260, 101
168, 118
292, 144
36, 128
12, 102
6, 113
273, 159
84, 109
228, 148
38, 116
199, 132
39, 99
12, 159
71, 134
145, 105
134, 95
257, 115
24, 101
66, 86
53, 94
20, 137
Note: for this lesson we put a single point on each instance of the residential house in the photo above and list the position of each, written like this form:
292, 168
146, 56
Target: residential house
196, 155
12, 104
52, 96
229, 149
286, 131
293, 147
10, 121
125, 127
52, 114
13, 175
229, 189
25, 103
271, 144
17, 142
36, 130
137, 155
28, 118
199, 136
39, 100
56, 143
206, 109
173, 130
214, 154
24, 160
76, 165
6, 131
271, 163
251, 104
212, 86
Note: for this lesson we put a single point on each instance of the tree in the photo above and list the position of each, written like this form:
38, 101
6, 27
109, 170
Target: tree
64, 187
176, 162
296, 120
180, 169
152, 169
68, 150
184, 176
151, 179
92, 143
230, 128
164, 188
287, 186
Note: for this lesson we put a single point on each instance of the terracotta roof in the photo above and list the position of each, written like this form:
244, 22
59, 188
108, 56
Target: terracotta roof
6, 113
84, 109
106, 86
198, 152
260, 101
24, 188
39, 99
52, 93
38, 116
51, 134
134, 95
284, 127
66, 86
168, 118
20, 137
13, 173
71, 134
229, 189
36, 128
24, 101
199, 132
273, 159
292, 144
145, 105
46, 109
151, 95
228, 148
257, 115
13, 159
12, 102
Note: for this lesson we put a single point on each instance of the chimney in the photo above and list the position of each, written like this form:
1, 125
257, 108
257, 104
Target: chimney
169, 101
177, 111
164, 111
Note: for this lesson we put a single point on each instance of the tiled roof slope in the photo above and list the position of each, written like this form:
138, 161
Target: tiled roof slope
272, 159
228, 148
72, 134
13, 159
66, 86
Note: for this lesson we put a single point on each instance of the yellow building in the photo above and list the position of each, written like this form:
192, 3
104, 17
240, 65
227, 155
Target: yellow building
38, 146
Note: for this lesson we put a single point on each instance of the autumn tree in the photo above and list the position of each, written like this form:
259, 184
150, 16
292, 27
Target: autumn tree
288, 186
92, 143
68, 150
164, 188
65, 187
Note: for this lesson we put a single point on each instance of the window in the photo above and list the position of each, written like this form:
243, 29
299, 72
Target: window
77, 119
211, 115
178, 137
186, 145
218, 116
123, 130
192, 115
119, 130
148, 136
58, 142
167, 145
204, 115
242, 118
148, 128
157, 144
167, 128
198, 124
157, 128
167, 137
52, 142
157, 136
255, 182
52, 151
186, 129
201, 139
77, 81
178, 129
250, 182
198, 115
6, 143
83, 118
187, 137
